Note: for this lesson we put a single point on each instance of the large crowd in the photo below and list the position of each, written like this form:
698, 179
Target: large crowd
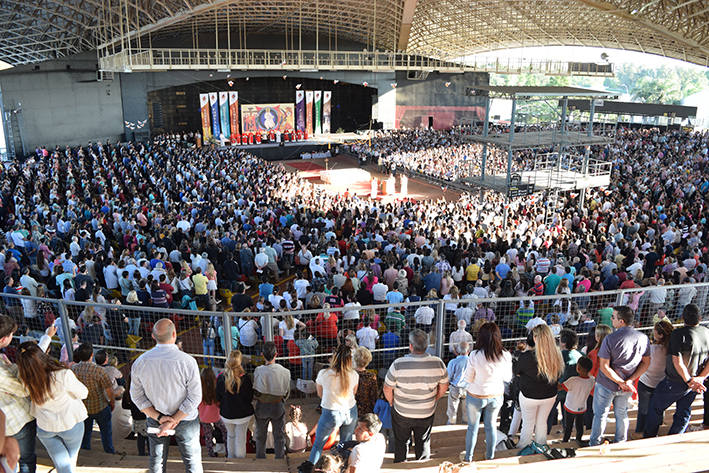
127, 227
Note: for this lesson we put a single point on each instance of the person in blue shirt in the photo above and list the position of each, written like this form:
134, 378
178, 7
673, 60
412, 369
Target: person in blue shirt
394, 296
456, 367
390, 342
265, 289
382, 409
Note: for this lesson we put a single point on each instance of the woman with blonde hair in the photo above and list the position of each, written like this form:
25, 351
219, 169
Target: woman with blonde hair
211, 274
538, 371
336, 386
447, 283
235, 395
287, 328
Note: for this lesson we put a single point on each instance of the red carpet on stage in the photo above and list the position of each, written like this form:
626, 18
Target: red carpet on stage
306, 166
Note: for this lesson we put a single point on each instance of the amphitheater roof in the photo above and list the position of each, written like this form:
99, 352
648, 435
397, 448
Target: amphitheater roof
37, 30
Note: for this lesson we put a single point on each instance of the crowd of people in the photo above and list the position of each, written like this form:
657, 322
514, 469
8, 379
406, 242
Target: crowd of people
129, 227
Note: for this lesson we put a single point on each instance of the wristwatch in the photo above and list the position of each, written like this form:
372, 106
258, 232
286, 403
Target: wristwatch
160, 416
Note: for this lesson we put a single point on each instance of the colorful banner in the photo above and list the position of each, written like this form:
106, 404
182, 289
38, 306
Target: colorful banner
224, 113
318, 106
309, 112
204, 112
213, 103
326, 99
300, 110
234, 111
258, 118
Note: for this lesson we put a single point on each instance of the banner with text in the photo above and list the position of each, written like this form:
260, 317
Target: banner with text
259, 118
204, 112
309, 112
214, 104
234, 112
326, 99
318, 107
224, 113
300, 110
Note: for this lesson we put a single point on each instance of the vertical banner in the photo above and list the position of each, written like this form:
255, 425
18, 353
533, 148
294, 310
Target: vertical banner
234, 113
318, 107
326, 99
309, 112
300, 110
204, 112
224, 114
214, 105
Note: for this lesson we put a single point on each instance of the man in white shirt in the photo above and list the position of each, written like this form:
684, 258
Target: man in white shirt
368, 455
379, 292
367, 336
166, 387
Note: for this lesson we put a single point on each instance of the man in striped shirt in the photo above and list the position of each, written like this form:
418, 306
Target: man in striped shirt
412, 386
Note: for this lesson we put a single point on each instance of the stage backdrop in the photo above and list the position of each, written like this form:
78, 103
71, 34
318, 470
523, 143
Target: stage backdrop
266, 117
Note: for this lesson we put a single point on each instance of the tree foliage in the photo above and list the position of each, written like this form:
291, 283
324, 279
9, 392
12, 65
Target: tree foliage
665, 84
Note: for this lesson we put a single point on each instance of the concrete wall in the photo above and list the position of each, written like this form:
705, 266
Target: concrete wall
62, 103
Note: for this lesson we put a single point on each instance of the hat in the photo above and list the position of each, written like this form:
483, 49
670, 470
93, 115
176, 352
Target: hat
402, 273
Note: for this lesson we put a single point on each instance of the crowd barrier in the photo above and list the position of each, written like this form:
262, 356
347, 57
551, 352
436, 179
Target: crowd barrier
593, 308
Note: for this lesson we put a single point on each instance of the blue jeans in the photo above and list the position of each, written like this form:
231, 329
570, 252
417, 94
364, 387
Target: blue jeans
134, 326
208, 349
187, 437
476, 407
26, 439
103, 419
666, 393
329, 421
602, 400
63, 447
307, 368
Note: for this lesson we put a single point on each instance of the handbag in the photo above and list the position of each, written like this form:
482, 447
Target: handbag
534, 448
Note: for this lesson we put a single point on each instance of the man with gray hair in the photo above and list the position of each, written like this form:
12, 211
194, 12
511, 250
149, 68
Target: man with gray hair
459, 336
412, 386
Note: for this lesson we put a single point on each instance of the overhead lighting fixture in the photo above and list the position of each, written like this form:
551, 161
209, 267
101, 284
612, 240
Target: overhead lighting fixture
308, 70
224, 70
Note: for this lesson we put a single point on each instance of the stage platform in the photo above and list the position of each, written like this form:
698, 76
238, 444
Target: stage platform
294, 150
564, 180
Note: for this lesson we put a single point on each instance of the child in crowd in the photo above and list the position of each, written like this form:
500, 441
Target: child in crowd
456, 367
578, 389
297, 439
307, 345
382, 409
209, 417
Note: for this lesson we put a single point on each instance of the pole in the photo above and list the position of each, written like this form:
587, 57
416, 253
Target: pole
226, 323
509, 161
66, 330
440, 323
486, 129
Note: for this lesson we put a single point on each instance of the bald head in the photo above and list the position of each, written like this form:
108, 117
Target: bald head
164, 331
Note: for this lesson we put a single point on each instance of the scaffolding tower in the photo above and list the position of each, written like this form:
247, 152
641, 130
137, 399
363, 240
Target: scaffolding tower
558, 165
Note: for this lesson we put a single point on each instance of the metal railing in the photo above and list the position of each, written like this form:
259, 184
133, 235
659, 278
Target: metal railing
313, 61
595, 308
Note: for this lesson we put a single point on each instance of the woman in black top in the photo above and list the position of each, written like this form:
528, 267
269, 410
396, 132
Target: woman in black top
538, 372
235, 394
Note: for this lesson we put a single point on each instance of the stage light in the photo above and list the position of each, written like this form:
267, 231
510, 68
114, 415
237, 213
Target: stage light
247, 78
335, 81
365, 84
231, 83
393, 85
448, 84
297, 86
284, 77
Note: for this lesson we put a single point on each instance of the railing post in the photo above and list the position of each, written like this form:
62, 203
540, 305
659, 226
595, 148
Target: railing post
66, 329
619, 298
268, 327
228, 340
440, 321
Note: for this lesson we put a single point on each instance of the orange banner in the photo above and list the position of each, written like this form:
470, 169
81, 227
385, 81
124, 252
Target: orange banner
204, 111
234, 112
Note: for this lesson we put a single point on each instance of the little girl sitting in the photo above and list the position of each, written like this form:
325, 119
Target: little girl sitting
297, 439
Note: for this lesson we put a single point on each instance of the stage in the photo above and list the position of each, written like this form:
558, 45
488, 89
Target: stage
271, 151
